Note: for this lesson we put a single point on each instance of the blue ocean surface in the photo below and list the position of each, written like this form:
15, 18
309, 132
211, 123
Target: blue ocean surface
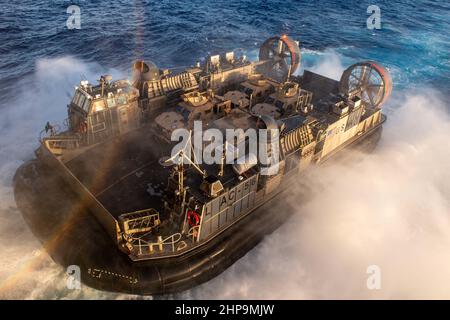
41, 60
414, 40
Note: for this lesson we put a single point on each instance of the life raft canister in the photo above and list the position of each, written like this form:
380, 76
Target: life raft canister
193, 218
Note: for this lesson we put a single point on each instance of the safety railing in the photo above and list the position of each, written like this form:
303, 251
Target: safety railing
139, 221
49, 131
52, 130
58, 144
138, 232
143, 247
193, 233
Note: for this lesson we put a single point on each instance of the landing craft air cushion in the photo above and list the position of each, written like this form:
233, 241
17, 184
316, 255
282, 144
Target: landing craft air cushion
107, 194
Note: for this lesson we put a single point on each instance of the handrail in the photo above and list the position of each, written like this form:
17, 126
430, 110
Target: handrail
57, 144
191, 232
138, 225
50, 132
139, 221
141, 243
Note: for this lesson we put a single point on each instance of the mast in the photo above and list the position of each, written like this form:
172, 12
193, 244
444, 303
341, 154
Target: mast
222, 162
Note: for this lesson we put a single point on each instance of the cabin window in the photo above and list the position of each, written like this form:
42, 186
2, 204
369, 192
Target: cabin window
76, 96
81, 101
86, 104
98, 105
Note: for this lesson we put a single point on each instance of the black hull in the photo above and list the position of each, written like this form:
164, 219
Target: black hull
72, 236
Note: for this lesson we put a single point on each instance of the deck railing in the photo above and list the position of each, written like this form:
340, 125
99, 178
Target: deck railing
139, 221
144, 247
137, 229
58, 144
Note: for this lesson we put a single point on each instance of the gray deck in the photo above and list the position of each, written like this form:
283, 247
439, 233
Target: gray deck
124, 173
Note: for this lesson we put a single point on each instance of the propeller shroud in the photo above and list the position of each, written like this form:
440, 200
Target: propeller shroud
369, 79
282, 55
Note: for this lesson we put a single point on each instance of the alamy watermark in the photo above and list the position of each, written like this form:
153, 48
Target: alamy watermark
73, 281
374, 21
74, 19
231, 146
374, 280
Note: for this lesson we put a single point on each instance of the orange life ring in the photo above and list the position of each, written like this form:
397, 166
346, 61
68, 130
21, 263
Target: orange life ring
193, 218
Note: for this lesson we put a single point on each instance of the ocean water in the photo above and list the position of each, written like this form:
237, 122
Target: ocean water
392, 209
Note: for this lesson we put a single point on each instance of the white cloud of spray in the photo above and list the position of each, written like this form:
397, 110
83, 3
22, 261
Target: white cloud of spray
40, 99
390, 208
329, 65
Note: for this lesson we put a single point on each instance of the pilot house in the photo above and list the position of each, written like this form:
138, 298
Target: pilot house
98, 112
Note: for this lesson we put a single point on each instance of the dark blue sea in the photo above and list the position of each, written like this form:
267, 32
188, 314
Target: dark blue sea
41, 60
413, 40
